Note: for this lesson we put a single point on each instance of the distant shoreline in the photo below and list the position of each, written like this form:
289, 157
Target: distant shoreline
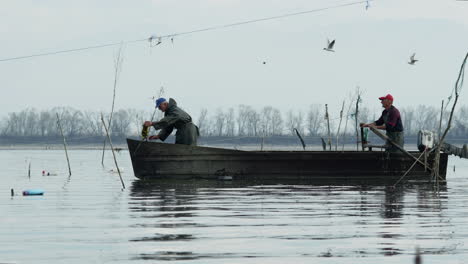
273, 142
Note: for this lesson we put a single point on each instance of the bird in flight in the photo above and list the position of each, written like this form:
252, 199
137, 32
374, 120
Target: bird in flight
412, 59
330, 45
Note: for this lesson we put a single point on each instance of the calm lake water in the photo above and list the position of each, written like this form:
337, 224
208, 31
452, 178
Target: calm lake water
88, 218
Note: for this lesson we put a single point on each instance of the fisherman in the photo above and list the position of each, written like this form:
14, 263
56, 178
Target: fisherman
174, 117
391, 122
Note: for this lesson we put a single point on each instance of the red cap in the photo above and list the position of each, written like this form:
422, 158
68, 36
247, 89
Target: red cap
388, 96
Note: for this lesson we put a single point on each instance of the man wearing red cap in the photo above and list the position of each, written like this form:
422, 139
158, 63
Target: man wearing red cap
391, 122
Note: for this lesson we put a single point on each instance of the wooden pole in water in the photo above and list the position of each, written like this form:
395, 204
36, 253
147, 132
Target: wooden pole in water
117, 68
64, 144
356, 114
346, 125
113, 152
29, 170
300, 138
328, 126
363, 140
339, 126
458, 86
440, 121
411, 167
417, 257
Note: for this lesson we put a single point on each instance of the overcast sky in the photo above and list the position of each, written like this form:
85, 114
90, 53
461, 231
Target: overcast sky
224, 68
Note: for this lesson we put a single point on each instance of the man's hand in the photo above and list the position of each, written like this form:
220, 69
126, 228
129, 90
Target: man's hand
154, 137
148, 123
367, 125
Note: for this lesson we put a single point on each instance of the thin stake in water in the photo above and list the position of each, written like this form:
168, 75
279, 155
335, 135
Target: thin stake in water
64, 144
327, 117
112, 148
117, 69
457, 90
356, 116
339, 126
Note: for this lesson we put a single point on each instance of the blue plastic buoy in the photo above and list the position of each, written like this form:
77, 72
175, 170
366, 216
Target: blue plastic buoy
33, 192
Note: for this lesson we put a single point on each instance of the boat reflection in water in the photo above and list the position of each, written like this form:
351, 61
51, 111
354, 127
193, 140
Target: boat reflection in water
227, 221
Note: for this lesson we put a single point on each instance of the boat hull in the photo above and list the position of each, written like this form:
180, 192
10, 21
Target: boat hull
159, 160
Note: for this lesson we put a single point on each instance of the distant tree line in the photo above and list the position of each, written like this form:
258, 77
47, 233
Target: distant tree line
241, 121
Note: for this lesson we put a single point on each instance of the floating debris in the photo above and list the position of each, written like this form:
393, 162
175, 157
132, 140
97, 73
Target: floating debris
116, 171
47, 173
225, 178
33, 192
118, 149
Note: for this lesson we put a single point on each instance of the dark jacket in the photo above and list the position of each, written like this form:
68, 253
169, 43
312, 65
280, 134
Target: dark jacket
392, 120
174, 117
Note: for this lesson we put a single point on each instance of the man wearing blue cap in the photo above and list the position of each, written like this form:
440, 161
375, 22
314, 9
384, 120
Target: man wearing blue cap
174, 117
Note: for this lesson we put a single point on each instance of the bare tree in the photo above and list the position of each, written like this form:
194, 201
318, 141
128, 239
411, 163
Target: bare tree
70, 119
290, 122
407, 118
276, 122
220, 121
121, 123
246, 121
253, 120
202, 121
314, 120
295, 120
426, 117
242, 119
230, 122
461, 122
138, 117
266, 120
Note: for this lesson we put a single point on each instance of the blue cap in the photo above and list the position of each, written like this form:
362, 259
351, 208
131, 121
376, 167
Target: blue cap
159, 101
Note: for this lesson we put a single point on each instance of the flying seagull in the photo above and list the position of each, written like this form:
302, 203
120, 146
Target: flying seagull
412, 59
159, 41
330, 46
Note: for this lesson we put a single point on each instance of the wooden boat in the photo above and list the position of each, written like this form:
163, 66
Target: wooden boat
156, 160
